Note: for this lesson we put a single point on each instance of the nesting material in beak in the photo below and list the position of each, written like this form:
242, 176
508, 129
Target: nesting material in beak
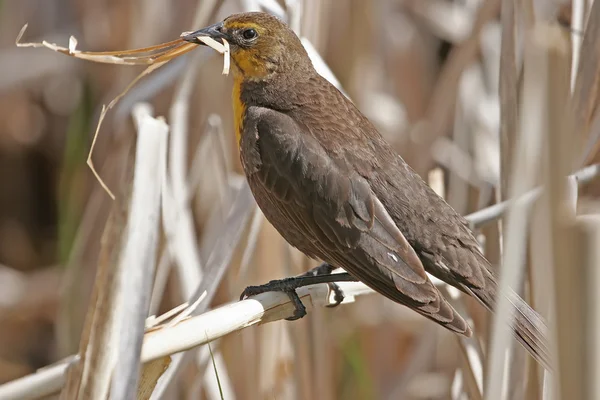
208, 36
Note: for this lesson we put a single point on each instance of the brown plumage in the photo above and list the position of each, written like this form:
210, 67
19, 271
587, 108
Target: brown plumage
336, 190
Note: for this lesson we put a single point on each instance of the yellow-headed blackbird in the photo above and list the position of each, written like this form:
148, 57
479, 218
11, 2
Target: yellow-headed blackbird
331, 185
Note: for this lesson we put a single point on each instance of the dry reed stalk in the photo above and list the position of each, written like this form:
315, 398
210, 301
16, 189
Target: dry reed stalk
509, 98
138, 257
509, 120
94, 359
569, 263
589, 234
491, 213
560, 152
587, 87
525, 164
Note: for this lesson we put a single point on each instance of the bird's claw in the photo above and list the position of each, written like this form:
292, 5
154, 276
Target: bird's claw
338, 294
299, 309
252, 291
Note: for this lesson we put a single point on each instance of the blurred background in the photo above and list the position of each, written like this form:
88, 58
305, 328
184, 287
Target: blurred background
426, 72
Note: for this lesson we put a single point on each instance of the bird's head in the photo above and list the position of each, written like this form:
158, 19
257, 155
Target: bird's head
260, 44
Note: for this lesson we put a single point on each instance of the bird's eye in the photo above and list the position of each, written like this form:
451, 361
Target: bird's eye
249, 34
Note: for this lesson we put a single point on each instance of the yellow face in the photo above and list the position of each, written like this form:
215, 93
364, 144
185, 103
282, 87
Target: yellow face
260, 45
249, 48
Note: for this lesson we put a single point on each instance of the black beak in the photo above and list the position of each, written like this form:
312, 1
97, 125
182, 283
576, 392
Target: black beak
214, 31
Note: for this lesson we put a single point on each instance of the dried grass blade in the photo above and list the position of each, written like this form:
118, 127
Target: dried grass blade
105, 110
161, 54
122, 57
176, 52
149, 49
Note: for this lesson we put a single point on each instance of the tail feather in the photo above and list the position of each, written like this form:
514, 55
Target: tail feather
530, 329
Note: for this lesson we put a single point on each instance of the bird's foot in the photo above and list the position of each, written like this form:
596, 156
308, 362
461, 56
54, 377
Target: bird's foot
320, 274
287, 286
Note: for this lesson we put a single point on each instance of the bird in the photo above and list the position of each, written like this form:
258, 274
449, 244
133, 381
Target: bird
336, 190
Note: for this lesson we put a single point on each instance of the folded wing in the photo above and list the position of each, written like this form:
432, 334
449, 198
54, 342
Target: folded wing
322, 206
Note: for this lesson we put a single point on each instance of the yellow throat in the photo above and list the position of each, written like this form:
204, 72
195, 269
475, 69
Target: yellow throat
239, 108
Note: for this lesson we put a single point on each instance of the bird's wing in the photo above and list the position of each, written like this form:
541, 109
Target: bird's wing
341, 219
